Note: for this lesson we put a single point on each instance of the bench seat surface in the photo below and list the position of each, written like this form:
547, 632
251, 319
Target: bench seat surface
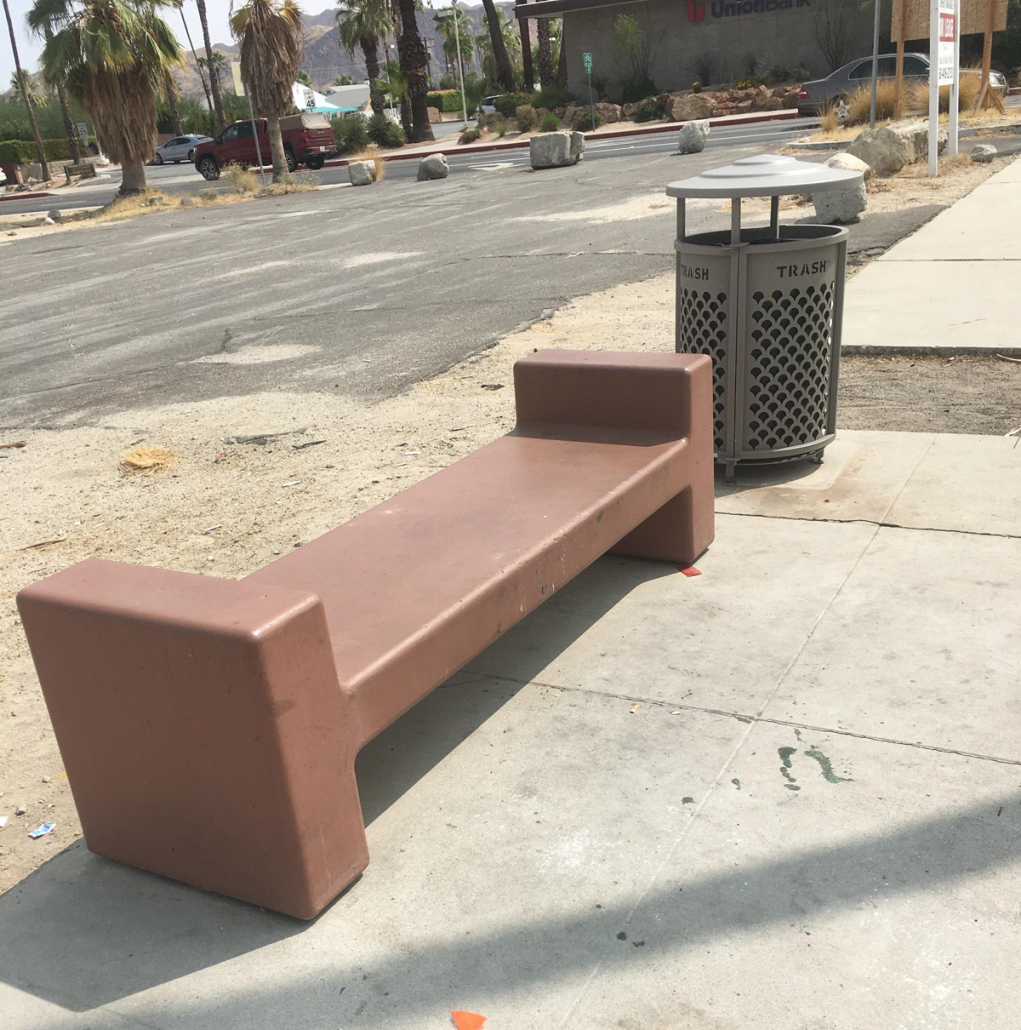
484, 541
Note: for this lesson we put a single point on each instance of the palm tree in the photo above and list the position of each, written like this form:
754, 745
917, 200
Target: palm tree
187, 32
504, 72
214, 80
26, 97
215, 68
171, 92
65, 113
269, 33
113, 57
395, 86
362, 23
545, 53
414, 61
31, 90
445, 24
527, 72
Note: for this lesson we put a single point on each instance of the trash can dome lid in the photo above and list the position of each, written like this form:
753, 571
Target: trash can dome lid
764, 175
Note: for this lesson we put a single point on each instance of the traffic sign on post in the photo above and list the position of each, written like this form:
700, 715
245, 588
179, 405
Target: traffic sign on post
588, 63
942, 61
83, 131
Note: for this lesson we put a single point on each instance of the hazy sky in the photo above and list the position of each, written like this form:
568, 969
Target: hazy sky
29, 47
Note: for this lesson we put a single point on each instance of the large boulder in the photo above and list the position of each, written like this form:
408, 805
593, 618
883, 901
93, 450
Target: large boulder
577, 147
610, 112
849, 163
838, 207
983, 153
916, 135
361, 173
553, 149
691, 108
691, 139
885, 150
791, 98
433, 167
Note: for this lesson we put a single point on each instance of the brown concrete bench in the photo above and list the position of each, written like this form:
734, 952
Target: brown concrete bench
209, 727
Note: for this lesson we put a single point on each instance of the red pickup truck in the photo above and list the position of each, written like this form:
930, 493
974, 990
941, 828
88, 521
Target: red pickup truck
308, 138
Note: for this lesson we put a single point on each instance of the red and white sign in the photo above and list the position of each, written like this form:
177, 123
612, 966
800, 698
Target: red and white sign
947, 39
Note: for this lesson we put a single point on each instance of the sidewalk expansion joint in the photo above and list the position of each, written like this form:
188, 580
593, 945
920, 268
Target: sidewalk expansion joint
752, 719
871, 522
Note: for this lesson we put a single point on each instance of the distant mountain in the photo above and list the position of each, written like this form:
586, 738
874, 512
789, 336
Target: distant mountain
324, 59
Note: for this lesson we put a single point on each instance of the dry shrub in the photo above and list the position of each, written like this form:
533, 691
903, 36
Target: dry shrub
148, 460
829, 122
241, 180
954, 162
527, 117
916, 95
371, 153
859, 106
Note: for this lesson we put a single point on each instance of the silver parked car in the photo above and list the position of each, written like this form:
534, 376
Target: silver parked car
837, 88
178, 149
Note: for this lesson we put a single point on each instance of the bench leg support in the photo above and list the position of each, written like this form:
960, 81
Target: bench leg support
678, 532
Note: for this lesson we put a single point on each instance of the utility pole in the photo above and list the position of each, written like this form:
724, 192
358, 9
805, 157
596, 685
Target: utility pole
460, 69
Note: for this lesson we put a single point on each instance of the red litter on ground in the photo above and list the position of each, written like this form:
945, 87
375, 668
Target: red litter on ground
688, 570
467, 1020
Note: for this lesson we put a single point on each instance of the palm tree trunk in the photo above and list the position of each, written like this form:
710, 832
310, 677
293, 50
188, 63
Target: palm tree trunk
407, 122
504, 72
527, 71
132, 176
370, 51
65, 113
545, 53
562, 63
175, 114
202, 78
44, 164
276, 146
214, 78
413, 57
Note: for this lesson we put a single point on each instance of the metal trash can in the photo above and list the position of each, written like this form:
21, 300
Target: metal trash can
766, 304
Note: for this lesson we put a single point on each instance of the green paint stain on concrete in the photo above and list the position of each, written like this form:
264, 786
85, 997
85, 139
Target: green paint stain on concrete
785, 769
827, 767
737, 783
687, 801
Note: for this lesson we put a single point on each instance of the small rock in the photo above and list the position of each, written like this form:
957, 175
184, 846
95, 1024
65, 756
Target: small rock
361, 173
691, 139
885, 150
47, 221
983, 153
20, 808
55, 214
187, 202
433, 167
154, 201
838, 207
850, 163
47, 779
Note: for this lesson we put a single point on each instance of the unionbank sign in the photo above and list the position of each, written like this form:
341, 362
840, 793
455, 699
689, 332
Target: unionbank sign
727, 9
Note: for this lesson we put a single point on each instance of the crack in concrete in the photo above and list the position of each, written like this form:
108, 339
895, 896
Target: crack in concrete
881, 524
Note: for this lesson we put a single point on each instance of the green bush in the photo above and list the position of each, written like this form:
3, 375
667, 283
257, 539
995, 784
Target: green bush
752, 82
448, 81
526, 117
648, 111
585, 121
500, 128
696, 87
469, 135
637, 89
550, 97
24, 151
447, 100
550, 122
385, 133
510, 102
351, 135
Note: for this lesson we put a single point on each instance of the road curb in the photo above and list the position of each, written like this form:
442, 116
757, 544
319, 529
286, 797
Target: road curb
450, 151
24, 196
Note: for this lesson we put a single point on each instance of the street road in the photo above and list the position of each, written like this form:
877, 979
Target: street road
379, 286
184, 180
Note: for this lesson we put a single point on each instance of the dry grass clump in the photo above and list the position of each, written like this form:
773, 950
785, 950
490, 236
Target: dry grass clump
148, 460
240, 179
916, 95
859, 106
300, 182
829, 122
371, 153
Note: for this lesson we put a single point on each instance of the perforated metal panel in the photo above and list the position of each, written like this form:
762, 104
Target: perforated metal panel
773, 343
704, 317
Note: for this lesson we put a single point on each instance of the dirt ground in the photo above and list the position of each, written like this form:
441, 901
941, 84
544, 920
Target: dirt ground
259, 475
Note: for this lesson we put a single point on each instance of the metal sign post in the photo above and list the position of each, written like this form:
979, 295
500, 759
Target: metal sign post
591, 103
239, 89
875, 67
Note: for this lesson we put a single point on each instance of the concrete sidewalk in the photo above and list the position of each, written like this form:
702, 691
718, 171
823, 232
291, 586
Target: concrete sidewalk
951, 287
783, 793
